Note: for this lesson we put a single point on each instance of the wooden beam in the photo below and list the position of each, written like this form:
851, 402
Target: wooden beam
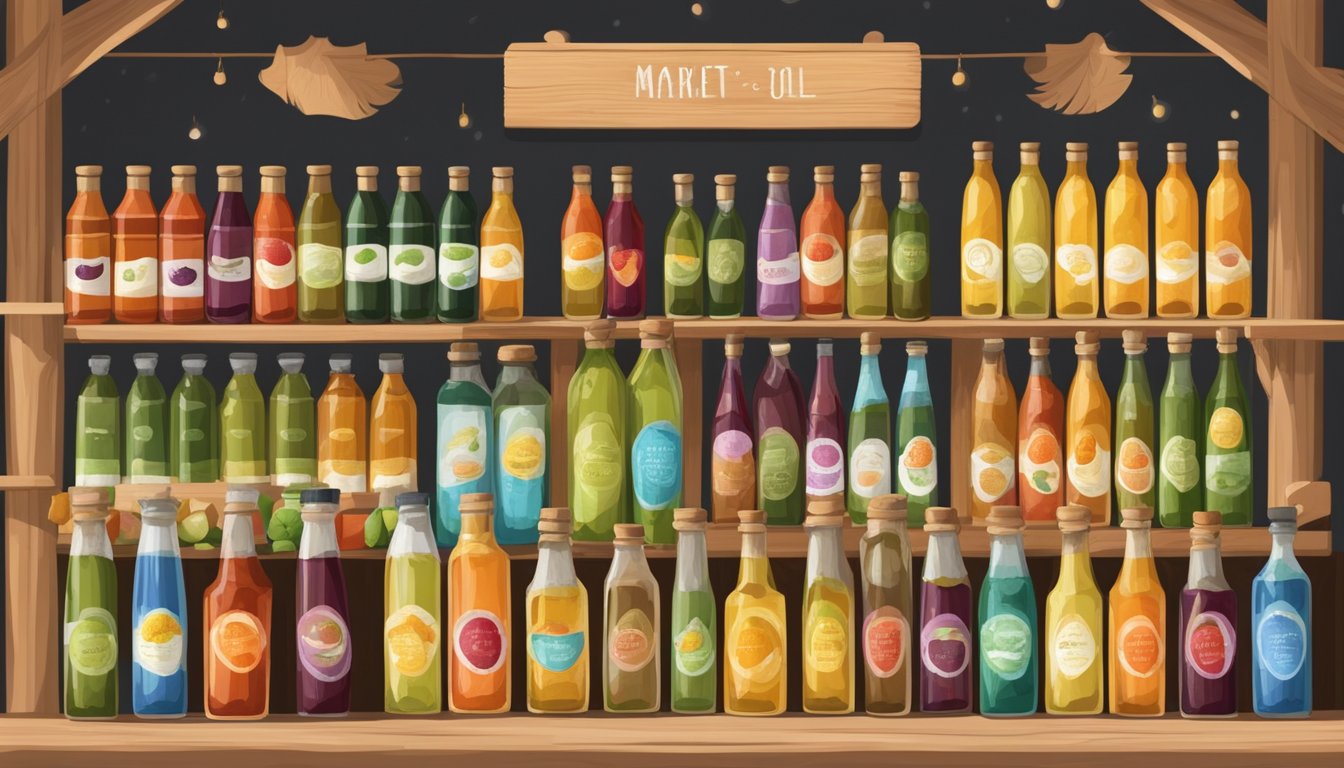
966, 355
690, 365
564, 361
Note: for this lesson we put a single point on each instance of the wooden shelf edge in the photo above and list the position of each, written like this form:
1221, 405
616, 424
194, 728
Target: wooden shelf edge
32, 308
27, 483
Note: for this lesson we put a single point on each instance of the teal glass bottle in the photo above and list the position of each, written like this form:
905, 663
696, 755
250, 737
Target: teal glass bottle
1008, 622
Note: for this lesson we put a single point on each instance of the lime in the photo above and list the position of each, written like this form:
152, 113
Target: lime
321, 265
456, 252
193, 527
203, 546
283, 546
726, 258
411, 256
374, 530
868, 260
390, 520
457, 280
366, 256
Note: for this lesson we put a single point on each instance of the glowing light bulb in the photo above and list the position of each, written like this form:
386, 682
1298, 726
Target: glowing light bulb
1235, 114
1160, 109
463, 119
697, 9
220, 77
195, 133
959, 78
222, 21
1053, 4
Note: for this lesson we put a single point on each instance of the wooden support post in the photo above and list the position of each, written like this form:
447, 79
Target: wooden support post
564, 361
965, 367
690, 364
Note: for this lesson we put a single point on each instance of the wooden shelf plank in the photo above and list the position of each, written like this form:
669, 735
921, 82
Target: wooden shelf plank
26, 483
37, 308
601, 740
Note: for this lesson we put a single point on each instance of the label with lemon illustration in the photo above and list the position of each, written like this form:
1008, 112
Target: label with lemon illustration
1029, 262
681, 262
502, 262
459, 265
655, 459
868, 257
910, 256
583, 263
464, 451
693, 648
320, 265
91, 642
726, 258
1126, 264
1176, 262
756, 647
826, 638
1078, 262
1073, 647
237, 641
1180, 462
411, 263
411, 639
1134, 466
992, 472
1089, 463
366, 263
1227, 473
158, 642
981, 259
522, 462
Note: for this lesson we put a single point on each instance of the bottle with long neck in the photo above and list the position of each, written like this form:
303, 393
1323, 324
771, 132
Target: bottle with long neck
1076, 291
1208, 627
725, 254
869, 448
1281, 618
825, 451
755, 670
778, 410
821, 233
411, 263
182, 251
459, 251
91, 687
1040, 432
1180, 486
1228, 477
1135, 473
274, 293
888, 605
557, 623
367, 297
916, 436
98, 428
684, 254
1126, 260
158, 616
88, 251
237, 620
501, 252
695, 673
321, 262
322, 610
146, 424
1227, 240
994, 433
343, 430
522, 411
193, 426
828, 612
582, 255
242, 424
1089, 433
392, 429
1138, 625
228, 275
909, 230
733, 467
1009, 629
945, 640
1073, 671
631, 666
480, 672
412, 605
598, 402
777, 267
466, 439
654, 432
626, 267
982, 238
293, 429
869, 248
1029, 269
1176, 239
135, 240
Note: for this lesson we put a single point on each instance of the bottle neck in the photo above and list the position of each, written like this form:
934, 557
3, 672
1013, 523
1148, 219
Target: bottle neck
1087, 366
870, 189
1281, 547
909, 191
755, 564
692, 562
465, 371
1075, 560
1075, 168
158, 536
629, 556
1138, 544
412, 535
1127, 167
237, 539
778, 192
1040, 365
88, 184
90, 538
943, 560
514, 372
319, 185
476, 527
983, 166
582, 191
319, 532
555, 563
185, 185
1227, 163
1007, 558
1206, 567
825, 191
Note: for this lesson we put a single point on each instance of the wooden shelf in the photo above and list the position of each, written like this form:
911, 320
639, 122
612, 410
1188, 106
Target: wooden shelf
26, 483
32, 308
670, 740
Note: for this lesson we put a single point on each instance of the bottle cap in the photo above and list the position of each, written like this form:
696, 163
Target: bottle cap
1088, 343
412, 499
243, 363
391, 362
158, 509
476, 504
290, 362
908, 177
319, 170
320, 496
1073, 518
138, 170
869, 343
993, 345
1004, 519
341, 363
228, 171
779, 347
502, 172
629, 533
89, 170
1179, 342
689, 519
732, 345
274, 171
1038, 346
194, 364
555, 524
241, 497
517, 353
777, 173
1282, 519
145, 362
1136, 517
464, 352
183, 170
1204, 534
916, 348
582, 174
365, 171
751, 521
888, 506
941, 520
1227, 340
99, 365
410, 171
1135, 342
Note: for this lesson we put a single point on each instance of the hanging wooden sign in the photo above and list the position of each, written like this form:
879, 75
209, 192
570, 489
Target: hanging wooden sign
684, 85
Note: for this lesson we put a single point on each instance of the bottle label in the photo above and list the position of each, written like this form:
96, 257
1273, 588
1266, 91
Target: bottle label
1210, 644
1227, 474
583, 274
1006, 645
823, 260
783, 271
1180, 463
366, 263
826, 638
694, 648
225, 270
464, 448
1029, 262
411, 263
522, 442
1089, 463
182, 278
1126, 264
755, 646
726, 258
1078, 261
992, 473
869, 469
910, 256
502, 263
630, 646
599, 461
1281, 640
1176, 262
158, 642
886, 641
411, 637
981, 260
1139, 647
320, 265
868, 258
324, 643
778, 471
1225, 264
556, 652
1226, 428
825, 467
459, 265
88, 277
681, 262
945, 645
1038, 457
237, 641
656, 464
625, 264
734, 465
1134, 466
917, 467
91, 642
138, 278
274, 262
1073, 647
480, 642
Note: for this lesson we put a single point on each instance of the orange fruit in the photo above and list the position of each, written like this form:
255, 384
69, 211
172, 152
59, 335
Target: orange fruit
582, 246
993, 482
1085, 448
237, 641
1042, 448
918, 453
1133, 457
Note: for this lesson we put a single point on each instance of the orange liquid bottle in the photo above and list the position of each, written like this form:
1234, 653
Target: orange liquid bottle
822, 234
88, 251
275, 294
1227, 240
583, 263
1089, 433
1138, 625
501, 252
480, 675
994, 435
135, 244
238, 620
342, 430
392, 451
182, 251
1040, 432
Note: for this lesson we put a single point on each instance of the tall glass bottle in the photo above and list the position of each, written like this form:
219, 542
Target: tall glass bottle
321, 261
412, 601
501, 252
1181, 424
888, 605
1176, 239
293, 431
945, 641
825, 452
480, 673
1040, 431
557, 623
583, 262
367, 292
1227, 240
1029, 270
866, 282
626, 259
274, 293
1076, 294
598, 403
1228, 486
242, 424
522, 411
725, 254
869, 448
237, 620
1089, 433
228, 276
631, 666
1138, 625
158, 616
982, 237
994, 432
98, 428
909, 228
733, 467
146, 422
1135, 473
1281, 618
1009, 628
1073, 672
411, 264
466, 439
778, 409
135, 242
828, 612
755, 670
777, 267
88, 251
654, 432
182, 251
393, 446
459, 251
695, 673
821, 233
1126, 260
343, 430
90, 627
684, 254
1208, 627
193, 426
322, 627
916, 436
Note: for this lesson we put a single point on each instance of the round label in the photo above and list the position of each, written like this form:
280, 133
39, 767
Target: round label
825, 638
480, 641
868, 258
1029, 262
656, 464
1126, 264
324, 644
630, 644
137, 278
1038, 461
693, 648
599, 463
823, 259
778, 466
825, 467
225, 270
411, 639
783, 271
992, 472
917, 467
557, 652
981, 259
1089, 463
1225, 264
502, 263
1281, 640
88, 277
733, 466
1073, 647
158, 642
1134, 466
945, 645
524, 452
681, 262
1005, 645
366, 263
886, 635
182, 278
411, 263
1176, 262
1139, 646
1225, 428
91, 642
237, 641
910, 256
1078, 262
625, 264
275, 266
726, 258
320, 265
583, 274
1227, 474
460, 265
1210, 644
756, 646
1180, 462
463, 452
869, 469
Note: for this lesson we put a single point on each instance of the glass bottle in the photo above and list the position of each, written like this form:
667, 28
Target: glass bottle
982, 238
557, 623
412, 600
825, 451
1040, 431
945, 640
583, 260
695, 673
1073, 673
1208, 627
88, 251
1009, 629
135, 242
1176, 239
1281, 616
1089, 433
916, 436
343, 430
1138, 625
725, 254
146, 424
777, 267
755, 670
888, 603
821, 233
994, 432
274, 293
98, 428
392, 430
480, 673
1227, 240
684, 254
1029, 271
242, 424
522, 412
654, 432
237, 619
193, 426
911, 287
90, 627
501, 252
321, 262
866, 284
597, 406
869, 448
322, 628
1126, 259
411, 264
631, 667
158, 616
1076, 291
778, 409
1228, 476
733, 467
626, 265
182, 251
828, 612
466, 439
367, 291
1181, 424
293, 429
1134, 438
459, 251
228, 277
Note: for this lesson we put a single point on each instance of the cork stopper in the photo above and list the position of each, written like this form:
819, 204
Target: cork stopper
582, 174
1136, 517
1208, 526
629, 533
683, 190
273, 171
777, 174
1136, 343
137, 177
870, 172
476, 504
501, 171
90, 171
464, 352
654, 333
183, 170
1176, 152
941, 520
1029, 152
1227, 150
458, 178
408, 178
1075, 151
724, 183
689, 519
88, 504
1227, 340
750, 521
230, 178
272, 179
780, 347
362, 171
501, 179
1073, 518
600, 334
319, 170
888, 506
137, 171
366, 178
1087, 343
555, 524
982, 150
823, 174
909, 186
1128, 150
1038, 346
732, 345
240, 499
869, 343
993, 346
1179, 343
621, 173
517, 353
1005, 520
826, 512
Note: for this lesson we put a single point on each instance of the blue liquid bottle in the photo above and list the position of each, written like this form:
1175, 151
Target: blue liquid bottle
916, 436
1008, 624
465, 460
159, 616
1281, 618
869, 449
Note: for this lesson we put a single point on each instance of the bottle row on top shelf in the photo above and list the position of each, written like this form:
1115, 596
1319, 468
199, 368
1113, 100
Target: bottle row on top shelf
141, 265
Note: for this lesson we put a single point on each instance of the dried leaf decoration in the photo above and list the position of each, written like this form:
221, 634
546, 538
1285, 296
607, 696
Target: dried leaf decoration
338, 80
1079, 78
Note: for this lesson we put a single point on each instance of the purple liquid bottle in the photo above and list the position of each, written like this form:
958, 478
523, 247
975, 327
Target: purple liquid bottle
228, 275
945, 619
825, 429
778, 270
626, 265
733, 468
323, 628
1208, 627
778, 405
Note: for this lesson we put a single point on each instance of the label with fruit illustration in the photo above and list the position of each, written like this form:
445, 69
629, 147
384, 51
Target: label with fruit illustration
1281, 640
625, 264
630, 644
1029, 262
693, 648
411, 263
556, 651
910, 256
945, 645
1005, 645
582, 261
182, 278
756, 646
1134, 466
1089, 463
1176, 262
1180, 462
825, 467
324, 645
411, 639
823, 261
725, 258
778, 469
522, 454
1073, 647
459, 265
480, 641
599, 467
1225, 263
237, 641
886, 641
868, 257
1126, 264
992, 472
681, 262
158, 643
1038, 459
88, 276
826, 637
734, 464
464, 450
783, 271
655, 464
1210, 644
1139, 646
917, 467
502, 263
91, 642
366, 263
274, 262
320, 265
869, 469
1078, 261
137, 278
981, 259
227, 270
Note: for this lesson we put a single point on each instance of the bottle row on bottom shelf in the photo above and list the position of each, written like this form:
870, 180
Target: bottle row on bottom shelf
931, 660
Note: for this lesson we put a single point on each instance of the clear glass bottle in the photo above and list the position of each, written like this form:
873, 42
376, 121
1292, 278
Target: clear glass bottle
522, 436
557, 623
888, 604
694, 619
631, 666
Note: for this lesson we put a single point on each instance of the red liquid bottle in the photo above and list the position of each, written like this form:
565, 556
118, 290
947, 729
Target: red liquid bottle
182, 251
825, 462
625, 249
88, 251
822, 233
1208, 628
275, 293
1040, 473
135, 243
733, 468
323, 627
238, 620
945, 617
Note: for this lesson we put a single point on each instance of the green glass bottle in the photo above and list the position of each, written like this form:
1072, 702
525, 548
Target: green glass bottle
683, 254
90, 629
869, 244
193, 431
911, 288
916, 436
293, 432
1180, 490
523, 436
1227, 458
598, 399
459, 251
410, 252
366, 238
242, 424
655, 433
725, 255
98, 428
321, 266
146, 424
695, 674
1135, 473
